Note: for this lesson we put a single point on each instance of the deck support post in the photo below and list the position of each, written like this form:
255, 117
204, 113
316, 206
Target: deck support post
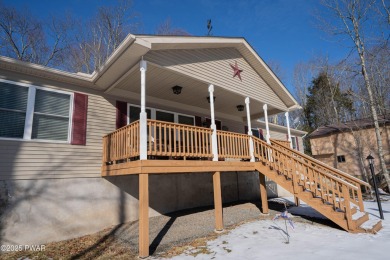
218, 202
267, 136
248, 116
143, 149
143, 215
263, 194
214, 143
288, 129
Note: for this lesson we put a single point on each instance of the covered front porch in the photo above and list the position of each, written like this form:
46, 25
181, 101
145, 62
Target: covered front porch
186, 110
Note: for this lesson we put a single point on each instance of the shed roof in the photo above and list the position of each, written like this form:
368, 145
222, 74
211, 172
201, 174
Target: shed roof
363, 123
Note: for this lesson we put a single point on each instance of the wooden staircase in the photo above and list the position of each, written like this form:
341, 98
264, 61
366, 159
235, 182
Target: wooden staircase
331, 192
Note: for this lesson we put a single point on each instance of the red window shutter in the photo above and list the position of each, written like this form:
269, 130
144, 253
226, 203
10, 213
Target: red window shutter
121, 114
246, 130
296, 140
261, 134
79, 119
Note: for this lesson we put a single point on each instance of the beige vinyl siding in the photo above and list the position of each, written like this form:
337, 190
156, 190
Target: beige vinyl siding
213, 66
20, 159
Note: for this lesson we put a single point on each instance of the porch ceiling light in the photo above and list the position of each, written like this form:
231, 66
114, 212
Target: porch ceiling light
177, 89
240, 108
208, 99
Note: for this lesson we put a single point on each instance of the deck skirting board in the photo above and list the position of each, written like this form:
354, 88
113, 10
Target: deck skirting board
172, 166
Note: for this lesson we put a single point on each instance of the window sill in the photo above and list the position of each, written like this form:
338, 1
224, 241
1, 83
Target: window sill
34, 140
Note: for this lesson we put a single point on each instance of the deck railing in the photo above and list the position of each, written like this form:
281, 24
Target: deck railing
121, 144
331, 189
178, 140
233, 145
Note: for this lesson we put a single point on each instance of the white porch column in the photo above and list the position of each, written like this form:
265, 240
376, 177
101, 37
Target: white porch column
143, 116
248, 116
267, 136
288, 129
214, 143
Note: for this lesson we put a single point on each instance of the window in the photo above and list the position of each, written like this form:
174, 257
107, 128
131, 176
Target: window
51, 116
294, 142
134, 112
13, 106
341, 158
161, 115
29, 112
186, 120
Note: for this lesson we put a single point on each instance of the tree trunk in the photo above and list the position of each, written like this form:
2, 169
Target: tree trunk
376, 123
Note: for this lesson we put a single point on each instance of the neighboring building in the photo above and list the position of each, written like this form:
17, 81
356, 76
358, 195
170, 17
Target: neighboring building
52, 123
347, 145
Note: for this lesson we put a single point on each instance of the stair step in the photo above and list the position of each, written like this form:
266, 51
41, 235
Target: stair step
309, 193
360, 218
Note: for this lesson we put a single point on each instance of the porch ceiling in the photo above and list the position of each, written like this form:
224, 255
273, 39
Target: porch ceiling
159, 83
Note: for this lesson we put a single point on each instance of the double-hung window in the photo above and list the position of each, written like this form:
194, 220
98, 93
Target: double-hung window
30, 112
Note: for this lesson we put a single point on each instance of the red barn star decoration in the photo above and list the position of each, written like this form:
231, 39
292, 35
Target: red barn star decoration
237, 71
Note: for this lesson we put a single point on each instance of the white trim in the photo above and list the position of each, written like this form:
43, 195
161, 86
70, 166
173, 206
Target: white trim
30, 112
28, 121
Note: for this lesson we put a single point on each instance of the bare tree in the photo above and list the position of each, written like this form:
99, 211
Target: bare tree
96, 40
24, 37
350, 18
166, 28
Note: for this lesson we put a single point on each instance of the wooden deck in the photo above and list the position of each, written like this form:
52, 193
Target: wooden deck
174, 148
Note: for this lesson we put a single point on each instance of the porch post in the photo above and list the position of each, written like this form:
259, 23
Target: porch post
143, 223
214, 143
218, 202
267, 136
263, 194
248, 116
143, 116
288, 128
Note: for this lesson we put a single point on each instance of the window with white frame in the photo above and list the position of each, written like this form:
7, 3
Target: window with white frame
30, 112
294, 142
162, 115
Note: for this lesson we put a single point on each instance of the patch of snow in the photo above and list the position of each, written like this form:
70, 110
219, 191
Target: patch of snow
265, 239
358, 215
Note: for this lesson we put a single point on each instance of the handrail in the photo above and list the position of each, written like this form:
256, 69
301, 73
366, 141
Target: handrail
336, 172
329, 187
281, 142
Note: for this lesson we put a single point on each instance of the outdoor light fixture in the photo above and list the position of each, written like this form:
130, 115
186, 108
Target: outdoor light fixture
177, 89
370, 160
240, 107
208, 99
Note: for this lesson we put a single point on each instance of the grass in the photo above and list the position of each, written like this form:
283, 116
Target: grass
101, 245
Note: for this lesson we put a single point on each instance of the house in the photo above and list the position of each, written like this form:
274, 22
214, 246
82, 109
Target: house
166, 124
346, 146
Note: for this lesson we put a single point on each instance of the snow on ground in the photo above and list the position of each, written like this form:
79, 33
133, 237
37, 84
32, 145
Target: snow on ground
267, 238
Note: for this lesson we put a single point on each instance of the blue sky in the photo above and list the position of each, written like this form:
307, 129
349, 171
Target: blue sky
281, 31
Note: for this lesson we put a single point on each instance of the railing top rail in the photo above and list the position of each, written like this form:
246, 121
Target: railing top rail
324, 173
123, 127
176, 124
345, 175
233, 133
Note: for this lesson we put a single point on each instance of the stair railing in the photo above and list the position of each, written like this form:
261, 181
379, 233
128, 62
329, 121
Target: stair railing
357, 196
331, 189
